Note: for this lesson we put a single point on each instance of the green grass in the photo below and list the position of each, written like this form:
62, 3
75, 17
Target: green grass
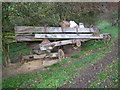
65, 70
108, 75
16, 49
59, 64
55, 77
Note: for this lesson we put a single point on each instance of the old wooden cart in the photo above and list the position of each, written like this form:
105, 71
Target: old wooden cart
51, 37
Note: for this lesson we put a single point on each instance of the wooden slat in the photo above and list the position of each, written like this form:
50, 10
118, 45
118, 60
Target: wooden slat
27, 38
68, 36
30, 29
27, 57
57, 36
51, 55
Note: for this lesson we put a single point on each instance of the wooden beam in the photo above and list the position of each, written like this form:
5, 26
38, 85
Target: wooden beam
27, 57
69, 36
40, 37
31, 29
51, 45
34, 56
57, 43
24, 38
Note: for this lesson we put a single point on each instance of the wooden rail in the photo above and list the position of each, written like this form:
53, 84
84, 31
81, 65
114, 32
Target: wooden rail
68, 36
30, 33
30, 29
39, 37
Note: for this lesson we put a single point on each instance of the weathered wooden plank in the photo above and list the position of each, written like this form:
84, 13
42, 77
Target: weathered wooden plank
68, 36
29, 38
31, 29
51, 55
57, 43
24, 38
27, 57
57, 36
50, 62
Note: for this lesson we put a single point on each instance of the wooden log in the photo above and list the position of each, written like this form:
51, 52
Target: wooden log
27, 57
58, 43
51, 55
51, 45
31, 29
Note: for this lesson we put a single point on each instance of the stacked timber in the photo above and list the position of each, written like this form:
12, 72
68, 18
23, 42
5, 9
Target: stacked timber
29, 33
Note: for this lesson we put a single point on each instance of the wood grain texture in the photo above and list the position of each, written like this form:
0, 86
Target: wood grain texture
39, 37
30, 29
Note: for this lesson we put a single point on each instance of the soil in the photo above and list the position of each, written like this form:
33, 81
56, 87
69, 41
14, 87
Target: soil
90, 73
18, 68
35, 65
70, 50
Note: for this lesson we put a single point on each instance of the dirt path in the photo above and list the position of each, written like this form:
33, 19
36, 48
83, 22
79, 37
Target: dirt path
17, 68
90, 73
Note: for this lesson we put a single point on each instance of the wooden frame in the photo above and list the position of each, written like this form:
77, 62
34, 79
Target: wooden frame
65, 36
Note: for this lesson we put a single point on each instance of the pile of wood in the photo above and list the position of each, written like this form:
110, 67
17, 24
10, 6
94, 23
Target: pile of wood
64, 35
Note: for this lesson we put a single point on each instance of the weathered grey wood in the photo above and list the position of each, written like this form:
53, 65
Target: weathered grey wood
54, 44
31, 29
49, 62
51, 55
27, 57
27, 38
57, 43
68, 36
57, 36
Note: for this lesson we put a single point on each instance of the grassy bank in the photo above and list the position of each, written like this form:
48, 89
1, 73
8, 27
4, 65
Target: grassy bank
15, 49
65, 70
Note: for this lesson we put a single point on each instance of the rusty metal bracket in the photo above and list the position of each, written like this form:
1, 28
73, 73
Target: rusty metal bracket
45, 41
45, 27
77, 28
62, 29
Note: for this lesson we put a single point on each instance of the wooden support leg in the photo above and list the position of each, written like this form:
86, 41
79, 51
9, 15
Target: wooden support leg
61, 54
107, 38
77, 44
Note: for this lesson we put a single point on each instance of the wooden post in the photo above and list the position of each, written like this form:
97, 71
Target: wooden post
8, 55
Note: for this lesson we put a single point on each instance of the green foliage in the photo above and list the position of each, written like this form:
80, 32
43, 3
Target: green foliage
41, 13
16, 49
75, 56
